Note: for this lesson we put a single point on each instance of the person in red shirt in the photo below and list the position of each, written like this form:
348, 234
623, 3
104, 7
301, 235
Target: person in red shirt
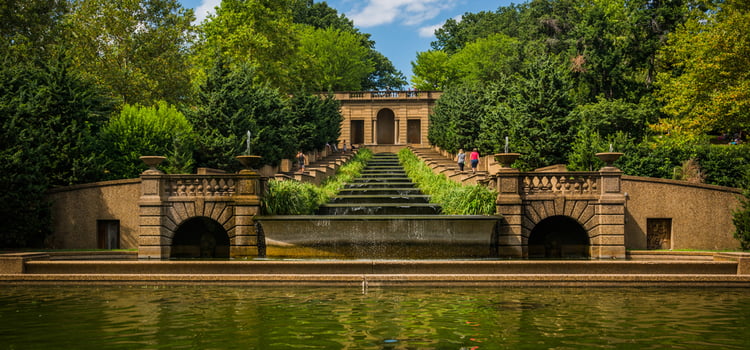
474, 157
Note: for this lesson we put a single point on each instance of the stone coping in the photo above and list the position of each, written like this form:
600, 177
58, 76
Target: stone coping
681, 183
385, 280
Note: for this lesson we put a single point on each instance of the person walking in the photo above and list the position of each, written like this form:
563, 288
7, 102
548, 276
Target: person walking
474, 157
301, 160
461, 159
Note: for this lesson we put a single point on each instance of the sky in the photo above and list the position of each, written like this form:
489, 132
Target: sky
400, 28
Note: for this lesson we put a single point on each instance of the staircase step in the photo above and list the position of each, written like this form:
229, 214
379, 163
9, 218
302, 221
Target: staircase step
380, 198
380, 209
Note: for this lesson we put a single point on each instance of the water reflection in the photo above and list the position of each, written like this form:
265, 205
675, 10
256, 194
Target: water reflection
223, 317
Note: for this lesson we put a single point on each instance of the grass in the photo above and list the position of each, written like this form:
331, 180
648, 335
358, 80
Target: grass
454, 198
291, 197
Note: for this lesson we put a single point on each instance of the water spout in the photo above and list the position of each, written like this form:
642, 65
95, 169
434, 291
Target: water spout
506, 144
610, 148
247, 149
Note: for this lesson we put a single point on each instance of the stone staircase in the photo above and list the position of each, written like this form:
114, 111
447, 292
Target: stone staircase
380, 215
441, 164
383, 188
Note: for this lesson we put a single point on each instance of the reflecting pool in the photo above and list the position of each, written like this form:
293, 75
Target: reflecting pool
244, 317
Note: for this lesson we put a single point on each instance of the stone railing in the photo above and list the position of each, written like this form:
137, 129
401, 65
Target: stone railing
361, 95
575, 183
199, 185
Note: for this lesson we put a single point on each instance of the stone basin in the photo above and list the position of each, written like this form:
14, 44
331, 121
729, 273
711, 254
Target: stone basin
379, 236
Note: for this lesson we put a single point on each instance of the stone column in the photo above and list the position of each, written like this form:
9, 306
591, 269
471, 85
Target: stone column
154, 241
510, 205
608, 237
244, 240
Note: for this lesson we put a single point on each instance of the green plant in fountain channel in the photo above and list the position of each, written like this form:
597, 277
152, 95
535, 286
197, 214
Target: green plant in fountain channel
291, 197
454, 198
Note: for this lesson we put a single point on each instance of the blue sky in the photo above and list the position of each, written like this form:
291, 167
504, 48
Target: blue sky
400, 28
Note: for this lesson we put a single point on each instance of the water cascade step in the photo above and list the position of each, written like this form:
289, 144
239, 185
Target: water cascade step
381, 214
383, 188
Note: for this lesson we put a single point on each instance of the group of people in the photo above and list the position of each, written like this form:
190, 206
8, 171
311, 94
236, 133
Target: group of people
473, 158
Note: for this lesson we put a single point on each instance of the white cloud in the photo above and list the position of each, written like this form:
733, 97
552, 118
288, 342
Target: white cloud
429, 31
406, 12
206, 7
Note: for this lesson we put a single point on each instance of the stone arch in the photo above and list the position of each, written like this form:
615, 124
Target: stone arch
558, 236
179, 213
386, 121
200, 237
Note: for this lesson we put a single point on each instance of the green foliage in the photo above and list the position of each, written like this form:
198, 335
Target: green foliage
707, 86
290, 197
250, 33
741, 221
320, 16
30, 28
137, 131
335, 60
230, 104
316, 121
454, 198
49, 117
134, 48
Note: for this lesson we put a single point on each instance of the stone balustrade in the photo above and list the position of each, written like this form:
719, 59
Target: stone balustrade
573, 183
199, 185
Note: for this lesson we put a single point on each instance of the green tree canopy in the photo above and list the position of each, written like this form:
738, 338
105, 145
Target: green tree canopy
49, 117
137, 131
137, 49
708, 85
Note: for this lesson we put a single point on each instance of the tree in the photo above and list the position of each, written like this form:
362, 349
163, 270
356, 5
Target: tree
30, 28
139, 131
432, 71
488, 59
708, 85
138, 49
49, 117
255, 33
316, 121
334, 60
320, 16
229, 104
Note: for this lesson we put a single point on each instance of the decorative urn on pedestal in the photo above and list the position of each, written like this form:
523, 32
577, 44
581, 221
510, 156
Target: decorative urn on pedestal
250, 163
152, 162
609, 157
506, 159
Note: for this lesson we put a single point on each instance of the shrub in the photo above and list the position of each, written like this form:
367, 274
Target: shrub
291, 197
741, 220
455, 199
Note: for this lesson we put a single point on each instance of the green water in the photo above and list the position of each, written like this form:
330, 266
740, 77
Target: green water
224, 317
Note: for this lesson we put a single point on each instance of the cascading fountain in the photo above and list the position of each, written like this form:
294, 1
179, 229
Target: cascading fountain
382, 214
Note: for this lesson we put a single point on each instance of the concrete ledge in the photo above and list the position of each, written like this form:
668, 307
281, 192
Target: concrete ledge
388, 267
15, 263
368, 281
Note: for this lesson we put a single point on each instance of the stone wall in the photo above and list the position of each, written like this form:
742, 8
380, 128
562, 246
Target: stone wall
700, 215
77, 209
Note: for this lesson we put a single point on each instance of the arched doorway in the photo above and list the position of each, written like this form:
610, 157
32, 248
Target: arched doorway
200, 237
558, 237
386, 127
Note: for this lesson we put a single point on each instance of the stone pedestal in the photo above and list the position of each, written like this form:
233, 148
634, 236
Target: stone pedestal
510, 240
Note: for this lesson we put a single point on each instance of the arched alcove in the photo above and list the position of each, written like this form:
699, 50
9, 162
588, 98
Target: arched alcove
558, 237
386, 127
200, 237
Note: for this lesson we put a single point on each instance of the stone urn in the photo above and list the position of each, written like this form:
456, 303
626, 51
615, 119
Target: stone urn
506, 159
609, 157
249, 163
152, 162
